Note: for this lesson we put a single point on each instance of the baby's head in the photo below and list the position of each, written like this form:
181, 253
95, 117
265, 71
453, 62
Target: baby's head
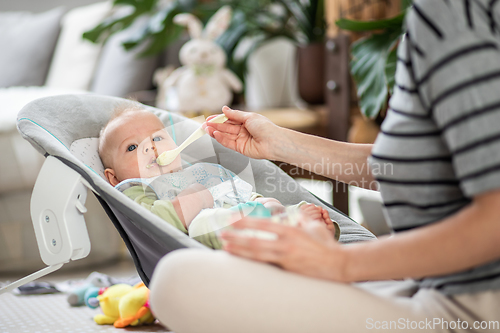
130, 143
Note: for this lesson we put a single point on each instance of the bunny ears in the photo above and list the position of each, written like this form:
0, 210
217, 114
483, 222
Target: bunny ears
217, 24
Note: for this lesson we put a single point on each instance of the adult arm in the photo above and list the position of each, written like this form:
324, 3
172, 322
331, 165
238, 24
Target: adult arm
462, 241
256, 136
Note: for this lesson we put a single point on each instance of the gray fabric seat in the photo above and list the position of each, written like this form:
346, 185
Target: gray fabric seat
53, 124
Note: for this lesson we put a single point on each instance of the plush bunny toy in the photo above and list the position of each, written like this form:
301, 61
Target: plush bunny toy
203, 83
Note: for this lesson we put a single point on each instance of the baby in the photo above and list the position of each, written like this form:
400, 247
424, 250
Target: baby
129, 145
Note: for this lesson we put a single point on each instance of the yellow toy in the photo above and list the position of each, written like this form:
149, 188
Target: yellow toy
123, 305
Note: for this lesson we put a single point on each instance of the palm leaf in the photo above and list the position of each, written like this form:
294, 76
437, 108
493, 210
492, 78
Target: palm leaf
368, 68
390, 69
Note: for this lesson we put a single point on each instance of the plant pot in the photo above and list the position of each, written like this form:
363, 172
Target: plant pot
311, 72
271, 81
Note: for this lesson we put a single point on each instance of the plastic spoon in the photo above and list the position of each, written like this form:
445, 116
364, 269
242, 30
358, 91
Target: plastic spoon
169, 156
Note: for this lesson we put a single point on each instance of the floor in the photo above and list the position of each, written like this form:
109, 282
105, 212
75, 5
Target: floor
51, 313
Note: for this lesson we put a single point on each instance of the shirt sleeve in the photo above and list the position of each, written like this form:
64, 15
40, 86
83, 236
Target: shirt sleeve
455, 59
162, 208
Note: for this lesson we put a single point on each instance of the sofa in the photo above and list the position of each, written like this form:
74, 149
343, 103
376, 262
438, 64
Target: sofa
44, 54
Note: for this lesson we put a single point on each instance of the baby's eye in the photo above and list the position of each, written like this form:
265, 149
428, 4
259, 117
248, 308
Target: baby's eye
157, 138
131, 147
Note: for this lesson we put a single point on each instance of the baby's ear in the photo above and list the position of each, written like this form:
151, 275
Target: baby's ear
111, 177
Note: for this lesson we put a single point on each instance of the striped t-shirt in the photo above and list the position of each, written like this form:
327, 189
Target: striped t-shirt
439, 145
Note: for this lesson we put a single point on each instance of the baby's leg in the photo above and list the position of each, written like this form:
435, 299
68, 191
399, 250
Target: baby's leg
317, 213
272, 204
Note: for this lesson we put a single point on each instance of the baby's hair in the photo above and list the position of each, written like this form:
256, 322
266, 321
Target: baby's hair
119, 110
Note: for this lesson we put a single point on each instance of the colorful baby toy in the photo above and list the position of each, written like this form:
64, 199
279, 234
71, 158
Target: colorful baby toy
123, 305
80, 294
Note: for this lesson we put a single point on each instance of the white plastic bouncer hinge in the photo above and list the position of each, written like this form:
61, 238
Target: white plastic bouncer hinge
57, 208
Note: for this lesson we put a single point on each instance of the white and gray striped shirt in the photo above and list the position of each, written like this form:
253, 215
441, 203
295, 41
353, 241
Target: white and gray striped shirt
441, 135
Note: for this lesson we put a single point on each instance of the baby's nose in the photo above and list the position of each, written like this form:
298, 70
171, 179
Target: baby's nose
149, 148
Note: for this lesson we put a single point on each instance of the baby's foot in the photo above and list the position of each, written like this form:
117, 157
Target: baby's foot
317, 213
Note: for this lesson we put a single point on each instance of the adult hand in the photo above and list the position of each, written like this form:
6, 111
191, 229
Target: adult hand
248, 133
309, 249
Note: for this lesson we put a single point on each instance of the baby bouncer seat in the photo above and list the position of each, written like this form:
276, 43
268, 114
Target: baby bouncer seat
65, 129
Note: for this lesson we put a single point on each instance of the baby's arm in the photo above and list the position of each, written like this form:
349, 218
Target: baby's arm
191, 201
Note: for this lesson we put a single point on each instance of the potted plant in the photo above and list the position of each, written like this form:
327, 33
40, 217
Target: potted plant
254, 23
157, 32
260, 43
374, 58
311, 51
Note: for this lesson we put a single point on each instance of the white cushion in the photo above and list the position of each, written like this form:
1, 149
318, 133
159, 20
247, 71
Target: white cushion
75, 59
28, 41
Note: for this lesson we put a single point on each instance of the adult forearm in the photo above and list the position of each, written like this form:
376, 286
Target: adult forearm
462, 241
341, 161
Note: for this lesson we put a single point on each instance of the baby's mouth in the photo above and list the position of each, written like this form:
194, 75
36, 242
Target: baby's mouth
152, 162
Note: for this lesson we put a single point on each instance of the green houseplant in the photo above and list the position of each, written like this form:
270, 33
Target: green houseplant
374, 58
254, 21
158, 31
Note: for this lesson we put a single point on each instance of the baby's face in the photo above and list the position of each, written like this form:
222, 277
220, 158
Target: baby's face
133, 142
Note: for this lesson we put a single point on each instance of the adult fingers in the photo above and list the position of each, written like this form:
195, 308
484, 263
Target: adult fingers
211, 117
235, 115
234, 238
262, 224
227, 127
254, 254
252, 247
209, 130
227, 140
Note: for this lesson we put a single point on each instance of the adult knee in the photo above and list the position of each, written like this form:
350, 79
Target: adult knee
168, 284
180, 283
